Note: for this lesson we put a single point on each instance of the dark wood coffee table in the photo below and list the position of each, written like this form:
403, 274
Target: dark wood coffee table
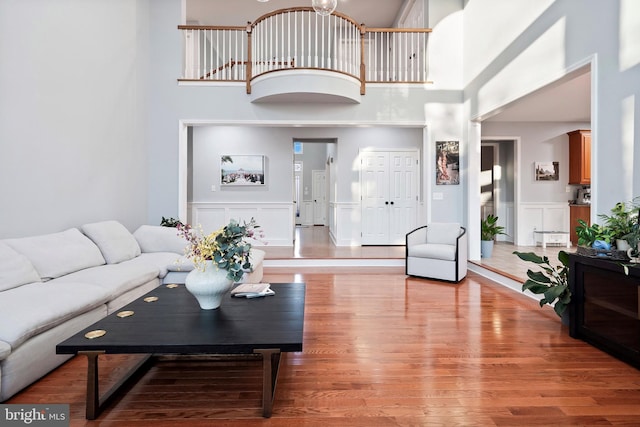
174, 324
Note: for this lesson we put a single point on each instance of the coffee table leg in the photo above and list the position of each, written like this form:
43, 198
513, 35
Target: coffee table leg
95, 403
93, 390
270, 367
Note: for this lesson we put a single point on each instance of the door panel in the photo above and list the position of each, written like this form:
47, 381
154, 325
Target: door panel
374, 189
389, 188
319, 194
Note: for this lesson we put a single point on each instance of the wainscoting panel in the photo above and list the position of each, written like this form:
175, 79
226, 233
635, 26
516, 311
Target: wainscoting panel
306, 213
541, 217
346, 228
275, 219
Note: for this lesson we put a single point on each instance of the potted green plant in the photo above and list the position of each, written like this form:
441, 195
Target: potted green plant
620, 223
552, 281
588, 235
489, 229
170, 222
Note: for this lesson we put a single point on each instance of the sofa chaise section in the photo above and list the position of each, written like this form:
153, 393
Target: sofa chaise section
54, 285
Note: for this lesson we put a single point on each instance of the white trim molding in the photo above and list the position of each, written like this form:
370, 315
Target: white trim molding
275, 219
540, 217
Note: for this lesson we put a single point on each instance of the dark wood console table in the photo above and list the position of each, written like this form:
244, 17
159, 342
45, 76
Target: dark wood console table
605, 306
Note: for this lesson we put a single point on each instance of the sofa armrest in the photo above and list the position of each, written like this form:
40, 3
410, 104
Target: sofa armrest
5, 350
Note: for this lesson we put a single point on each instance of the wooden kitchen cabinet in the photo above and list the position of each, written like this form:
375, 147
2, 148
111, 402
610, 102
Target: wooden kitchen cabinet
577, 212
580, 157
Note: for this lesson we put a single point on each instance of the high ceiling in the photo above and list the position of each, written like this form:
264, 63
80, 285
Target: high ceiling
239, 12
569, 100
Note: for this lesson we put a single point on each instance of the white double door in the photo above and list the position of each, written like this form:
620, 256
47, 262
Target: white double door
389, 183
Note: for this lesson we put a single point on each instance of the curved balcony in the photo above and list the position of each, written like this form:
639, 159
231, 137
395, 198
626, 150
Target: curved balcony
296, 54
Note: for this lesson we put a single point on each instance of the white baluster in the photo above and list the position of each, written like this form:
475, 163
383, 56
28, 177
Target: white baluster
288, 65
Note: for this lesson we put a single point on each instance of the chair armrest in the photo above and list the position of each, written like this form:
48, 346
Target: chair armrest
462, 244
417, 236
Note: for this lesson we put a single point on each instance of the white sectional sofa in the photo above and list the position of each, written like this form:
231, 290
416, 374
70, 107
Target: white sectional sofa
54, 285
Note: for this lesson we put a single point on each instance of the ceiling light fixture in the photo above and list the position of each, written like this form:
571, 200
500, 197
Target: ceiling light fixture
324, 7
263, 1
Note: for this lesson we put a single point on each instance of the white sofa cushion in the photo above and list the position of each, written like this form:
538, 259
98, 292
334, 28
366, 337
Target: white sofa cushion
160, 260
433, 250
156, 238
181, 264
38, 307
116, 243
444, 233
15, 268
116, 279
57, 254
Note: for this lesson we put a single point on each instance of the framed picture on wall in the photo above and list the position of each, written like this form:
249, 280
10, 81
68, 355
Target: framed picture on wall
242, 170
547, 171
447, 162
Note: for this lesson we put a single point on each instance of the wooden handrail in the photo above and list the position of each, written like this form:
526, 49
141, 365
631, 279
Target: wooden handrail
372, 54
212, 27
229, 64
301, 9
232, 63
398, 30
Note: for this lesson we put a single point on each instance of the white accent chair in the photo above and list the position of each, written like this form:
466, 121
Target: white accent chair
437, 251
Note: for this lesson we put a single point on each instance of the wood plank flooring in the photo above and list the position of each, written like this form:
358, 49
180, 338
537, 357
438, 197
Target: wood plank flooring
381, 349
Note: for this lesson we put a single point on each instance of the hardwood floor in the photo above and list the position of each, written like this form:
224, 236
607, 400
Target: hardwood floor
313, 242
381, 349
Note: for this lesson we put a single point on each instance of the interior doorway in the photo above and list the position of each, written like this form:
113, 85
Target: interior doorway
498, 184
314, 160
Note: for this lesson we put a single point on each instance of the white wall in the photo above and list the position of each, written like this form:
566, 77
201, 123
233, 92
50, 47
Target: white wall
539, 142
72, 106
89, 125
437, 106
210, 142
513, 48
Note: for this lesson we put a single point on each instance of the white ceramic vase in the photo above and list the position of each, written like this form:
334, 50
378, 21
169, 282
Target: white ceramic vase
208, 286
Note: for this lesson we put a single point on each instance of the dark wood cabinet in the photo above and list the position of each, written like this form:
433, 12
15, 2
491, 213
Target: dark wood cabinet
604, 309
577, 212
580, 157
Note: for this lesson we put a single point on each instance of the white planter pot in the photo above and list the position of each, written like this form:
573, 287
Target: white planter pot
208, 286
622, 245
486, 248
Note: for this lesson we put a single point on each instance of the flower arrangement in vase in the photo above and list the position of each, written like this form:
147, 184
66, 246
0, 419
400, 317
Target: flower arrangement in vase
220, 258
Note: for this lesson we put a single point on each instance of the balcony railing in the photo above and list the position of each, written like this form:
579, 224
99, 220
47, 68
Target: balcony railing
298, 38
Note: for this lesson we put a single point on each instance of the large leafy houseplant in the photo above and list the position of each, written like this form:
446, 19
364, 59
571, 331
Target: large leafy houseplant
552, 281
